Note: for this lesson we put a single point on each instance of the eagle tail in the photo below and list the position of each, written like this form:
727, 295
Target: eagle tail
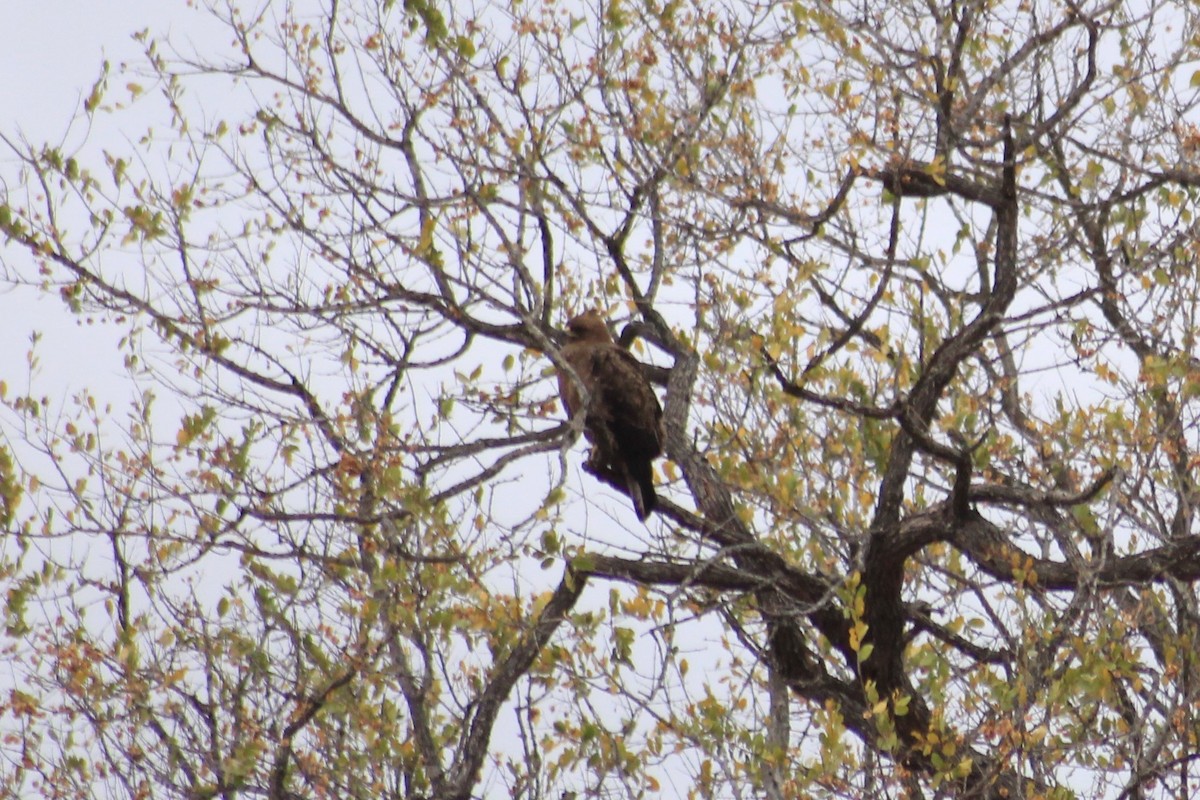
640, 479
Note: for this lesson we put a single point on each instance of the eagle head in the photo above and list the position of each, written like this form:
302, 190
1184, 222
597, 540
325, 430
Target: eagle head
588, 327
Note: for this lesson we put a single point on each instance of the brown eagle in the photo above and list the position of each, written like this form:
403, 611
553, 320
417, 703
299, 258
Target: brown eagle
623, 420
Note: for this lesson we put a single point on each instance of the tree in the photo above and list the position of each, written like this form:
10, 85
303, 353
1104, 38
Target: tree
916, 284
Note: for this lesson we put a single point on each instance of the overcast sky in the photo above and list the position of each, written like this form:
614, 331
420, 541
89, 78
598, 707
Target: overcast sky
51, 53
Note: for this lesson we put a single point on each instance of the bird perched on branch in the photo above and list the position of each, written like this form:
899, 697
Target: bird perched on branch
623, 419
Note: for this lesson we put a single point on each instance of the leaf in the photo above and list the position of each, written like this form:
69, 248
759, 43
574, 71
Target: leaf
97, 93
423, 14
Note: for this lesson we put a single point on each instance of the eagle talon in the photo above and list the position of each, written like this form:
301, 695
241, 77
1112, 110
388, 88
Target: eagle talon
594, 460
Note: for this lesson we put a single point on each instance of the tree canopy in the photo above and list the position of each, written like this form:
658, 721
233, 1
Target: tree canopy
916, 284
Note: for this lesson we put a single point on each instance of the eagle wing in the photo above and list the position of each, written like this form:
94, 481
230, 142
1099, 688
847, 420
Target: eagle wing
626, 403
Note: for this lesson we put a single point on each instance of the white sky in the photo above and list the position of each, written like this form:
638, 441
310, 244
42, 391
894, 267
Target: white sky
51, 53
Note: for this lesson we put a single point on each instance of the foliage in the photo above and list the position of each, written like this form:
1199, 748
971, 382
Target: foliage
916, 282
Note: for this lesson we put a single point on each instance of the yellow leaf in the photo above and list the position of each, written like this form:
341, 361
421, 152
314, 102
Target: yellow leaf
425, 243
857, 634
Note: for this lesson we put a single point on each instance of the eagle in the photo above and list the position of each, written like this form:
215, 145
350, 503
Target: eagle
623, 419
